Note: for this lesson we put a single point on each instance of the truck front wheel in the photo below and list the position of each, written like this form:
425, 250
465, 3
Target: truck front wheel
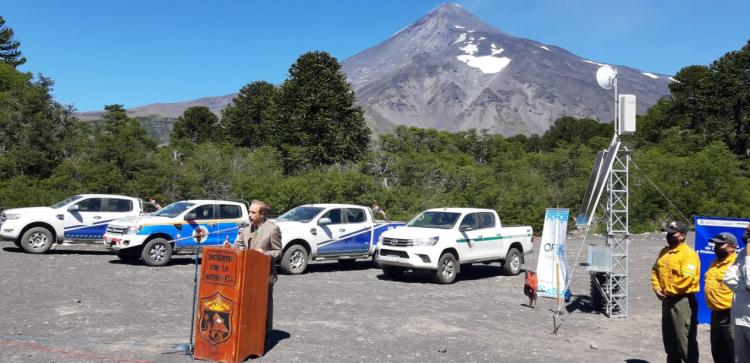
447, 269
294, 260
157, 252
512, 263
36, 240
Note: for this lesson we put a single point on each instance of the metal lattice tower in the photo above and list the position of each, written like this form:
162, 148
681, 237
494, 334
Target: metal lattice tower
615, 289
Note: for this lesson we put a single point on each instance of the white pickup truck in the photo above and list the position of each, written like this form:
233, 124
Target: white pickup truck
80, 218
444, 239
342, 232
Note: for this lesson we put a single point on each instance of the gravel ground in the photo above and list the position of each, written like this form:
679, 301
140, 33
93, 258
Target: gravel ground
80, 303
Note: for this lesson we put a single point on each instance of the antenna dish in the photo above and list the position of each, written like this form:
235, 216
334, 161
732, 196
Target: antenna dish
605, 76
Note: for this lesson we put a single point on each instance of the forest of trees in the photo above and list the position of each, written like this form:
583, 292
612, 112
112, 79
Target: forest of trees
306, 141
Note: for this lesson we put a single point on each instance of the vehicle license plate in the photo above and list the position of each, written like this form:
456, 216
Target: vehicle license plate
389, 258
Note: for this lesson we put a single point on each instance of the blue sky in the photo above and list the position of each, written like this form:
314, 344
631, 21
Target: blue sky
138, 52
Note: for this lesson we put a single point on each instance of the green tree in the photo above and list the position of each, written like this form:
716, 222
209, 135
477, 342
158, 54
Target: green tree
9, 52
35, 131
197, 125
250, 118
318, 113
574, 131
714, 101
124, 142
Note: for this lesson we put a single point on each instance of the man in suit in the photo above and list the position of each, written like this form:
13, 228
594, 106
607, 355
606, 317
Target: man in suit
263, 236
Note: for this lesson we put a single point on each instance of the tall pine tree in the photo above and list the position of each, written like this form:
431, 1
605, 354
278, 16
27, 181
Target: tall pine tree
249, 120
319, 122
197, 124
9, 52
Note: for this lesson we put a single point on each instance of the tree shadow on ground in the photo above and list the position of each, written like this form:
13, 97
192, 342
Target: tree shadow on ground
475, 272
333, 266
57, 251
175, 261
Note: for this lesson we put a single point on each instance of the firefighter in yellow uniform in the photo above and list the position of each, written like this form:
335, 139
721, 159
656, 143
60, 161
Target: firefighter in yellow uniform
675, 279
719, 298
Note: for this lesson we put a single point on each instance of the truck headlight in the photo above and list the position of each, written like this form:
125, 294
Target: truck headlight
10, 216
430, 241
133, 229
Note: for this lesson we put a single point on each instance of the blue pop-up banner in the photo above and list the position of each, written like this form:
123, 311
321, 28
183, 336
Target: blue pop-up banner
705, 228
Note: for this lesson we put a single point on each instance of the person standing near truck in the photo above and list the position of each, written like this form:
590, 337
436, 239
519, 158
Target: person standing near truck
263, 236
377, 210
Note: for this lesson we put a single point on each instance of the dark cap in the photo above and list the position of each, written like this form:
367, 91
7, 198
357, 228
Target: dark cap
724, 237
676, 226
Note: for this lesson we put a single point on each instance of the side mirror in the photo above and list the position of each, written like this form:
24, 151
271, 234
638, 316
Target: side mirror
74, 208
323, 221
191, 216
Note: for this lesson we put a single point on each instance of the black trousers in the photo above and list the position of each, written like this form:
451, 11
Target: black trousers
722, 336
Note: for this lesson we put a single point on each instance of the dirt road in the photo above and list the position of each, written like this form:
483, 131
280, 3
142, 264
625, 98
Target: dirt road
80, 303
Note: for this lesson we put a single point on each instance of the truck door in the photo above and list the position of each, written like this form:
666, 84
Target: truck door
83, 220
489, 238
199, 227
469, 244
330, 243
230, 217
356, 239
116, 208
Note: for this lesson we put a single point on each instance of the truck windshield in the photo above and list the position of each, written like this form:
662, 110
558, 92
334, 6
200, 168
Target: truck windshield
173, 210
66, 201
300, 214
442, 220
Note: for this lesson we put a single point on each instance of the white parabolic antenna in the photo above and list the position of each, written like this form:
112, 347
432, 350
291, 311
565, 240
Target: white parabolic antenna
605, 76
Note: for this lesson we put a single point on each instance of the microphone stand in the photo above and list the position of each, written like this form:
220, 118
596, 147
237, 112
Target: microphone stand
191, 345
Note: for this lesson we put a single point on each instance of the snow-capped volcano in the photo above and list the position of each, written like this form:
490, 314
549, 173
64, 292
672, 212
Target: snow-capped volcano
452, 71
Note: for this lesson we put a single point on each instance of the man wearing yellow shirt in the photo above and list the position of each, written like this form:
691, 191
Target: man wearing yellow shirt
719, 298
674, 278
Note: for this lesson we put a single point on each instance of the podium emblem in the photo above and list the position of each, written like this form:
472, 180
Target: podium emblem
216, 318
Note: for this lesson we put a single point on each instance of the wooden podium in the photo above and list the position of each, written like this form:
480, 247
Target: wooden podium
230, 322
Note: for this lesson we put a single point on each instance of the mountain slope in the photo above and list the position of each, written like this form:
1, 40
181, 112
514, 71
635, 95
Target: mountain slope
452, 71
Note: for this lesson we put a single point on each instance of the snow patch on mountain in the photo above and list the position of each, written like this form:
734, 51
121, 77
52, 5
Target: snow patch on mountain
647, 74
396, 33
470, 48
461, 38
592, 62
488, 64
545, 48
